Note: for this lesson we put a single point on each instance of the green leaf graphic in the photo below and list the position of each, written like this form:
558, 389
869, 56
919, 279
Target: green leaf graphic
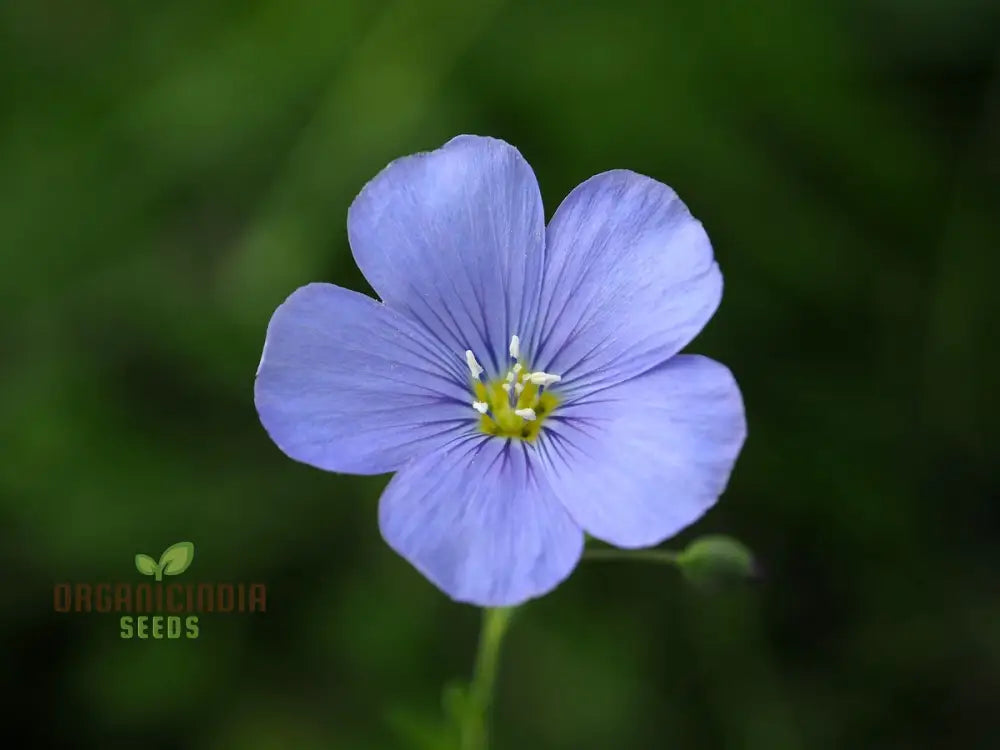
145, 565
177, 558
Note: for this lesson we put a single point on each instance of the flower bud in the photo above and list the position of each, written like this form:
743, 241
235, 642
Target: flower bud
714, 562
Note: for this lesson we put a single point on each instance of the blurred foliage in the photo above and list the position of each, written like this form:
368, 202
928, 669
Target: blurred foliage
169, 172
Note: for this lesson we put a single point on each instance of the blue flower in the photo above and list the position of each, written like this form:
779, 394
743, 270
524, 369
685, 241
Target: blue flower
522, 381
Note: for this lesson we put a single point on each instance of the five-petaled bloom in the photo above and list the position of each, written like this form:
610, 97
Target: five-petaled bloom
522, 381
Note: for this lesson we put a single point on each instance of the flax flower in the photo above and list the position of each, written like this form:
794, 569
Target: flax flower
522, 381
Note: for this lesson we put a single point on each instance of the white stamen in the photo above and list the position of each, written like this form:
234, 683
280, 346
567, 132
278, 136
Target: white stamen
544, 378
506, 387
510, 377
528, 414
518, 387
474, 367
515, 347
481, 406
517, 368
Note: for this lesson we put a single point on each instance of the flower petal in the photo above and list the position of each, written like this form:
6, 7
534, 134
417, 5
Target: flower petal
481, 523
630, 280
345, 384
455, 239
638, 462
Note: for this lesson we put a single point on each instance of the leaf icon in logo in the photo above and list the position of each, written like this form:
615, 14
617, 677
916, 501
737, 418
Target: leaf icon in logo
145, 565
177, 558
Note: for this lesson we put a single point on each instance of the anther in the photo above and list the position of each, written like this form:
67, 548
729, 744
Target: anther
526, 414
515, 347
481, 406
544, 378
474, 367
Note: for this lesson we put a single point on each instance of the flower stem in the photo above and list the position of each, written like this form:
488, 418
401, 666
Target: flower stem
475, 722
662, 556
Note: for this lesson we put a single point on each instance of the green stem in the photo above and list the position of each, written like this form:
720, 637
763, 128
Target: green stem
475, 722
663, 556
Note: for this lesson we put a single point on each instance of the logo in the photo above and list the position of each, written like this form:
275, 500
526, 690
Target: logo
161, 609
175, 560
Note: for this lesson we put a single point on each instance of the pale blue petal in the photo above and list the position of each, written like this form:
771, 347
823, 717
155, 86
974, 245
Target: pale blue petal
638, 462
481, 523
345, 384
454, 238
630, 280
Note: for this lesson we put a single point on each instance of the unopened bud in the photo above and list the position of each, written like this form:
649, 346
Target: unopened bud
713, 562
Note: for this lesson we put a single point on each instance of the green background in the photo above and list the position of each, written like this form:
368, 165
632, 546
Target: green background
170, 172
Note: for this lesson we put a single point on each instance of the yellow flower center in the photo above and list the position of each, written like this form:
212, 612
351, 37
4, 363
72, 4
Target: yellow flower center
514, 406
